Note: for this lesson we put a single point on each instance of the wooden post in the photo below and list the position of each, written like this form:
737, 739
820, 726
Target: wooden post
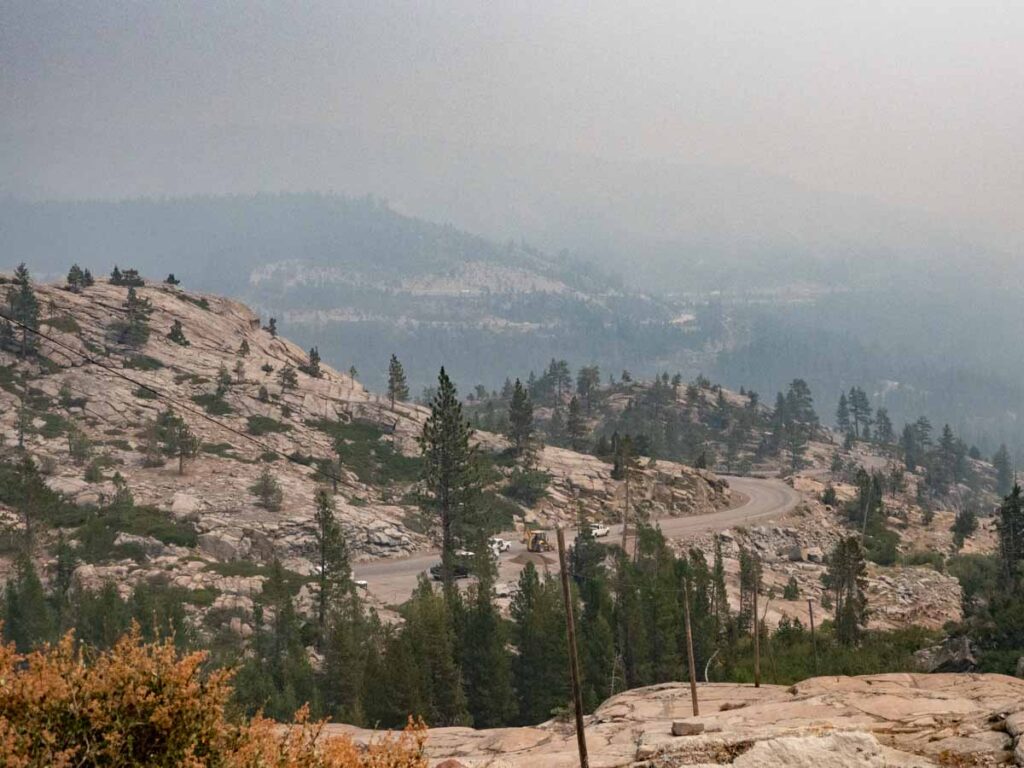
574, 665
625, 514
814, 644
757, 638
689, 647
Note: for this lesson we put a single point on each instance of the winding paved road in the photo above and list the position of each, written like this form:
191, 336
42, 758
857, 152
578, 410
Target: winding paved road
392, 580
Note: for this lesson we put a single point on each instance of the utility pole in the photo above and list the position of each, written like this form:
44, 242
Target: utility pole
574, 664
757, 633
689, 647
814, 644
625, 509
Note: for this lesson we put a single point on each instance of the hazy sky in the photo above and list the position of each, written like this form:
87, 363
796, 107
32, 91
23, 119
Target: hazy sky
913, 102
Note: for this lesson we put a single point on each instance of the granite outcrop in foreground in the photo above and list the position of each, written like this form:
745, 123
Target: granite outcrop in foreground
894, 720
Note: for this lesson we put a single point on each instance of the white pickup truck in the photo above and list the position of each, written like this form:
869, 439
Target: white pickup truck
599, 530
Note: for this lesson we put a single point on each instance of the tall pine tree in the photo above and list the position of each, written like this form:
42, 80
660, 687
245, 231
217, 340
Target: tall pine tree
398, 388
450, 476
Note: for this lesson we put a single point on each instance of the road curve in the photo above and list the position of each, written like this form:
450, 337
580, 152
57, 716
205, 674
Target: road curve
392, 580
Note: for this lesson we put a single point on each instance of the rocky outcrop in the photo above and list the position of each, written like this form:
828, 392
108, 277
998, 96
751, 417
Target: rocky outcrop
111, 393
896, 721
659, 489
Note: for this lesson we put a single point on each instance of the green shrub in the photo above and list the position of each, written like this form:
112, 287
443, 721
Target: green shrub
55, 426
191, 378
372, 459
64, 323
224, 450
142, 363
881, 546
934, 560
527, 486
213, 404
144, 394
93, 472
265, 425
204, 597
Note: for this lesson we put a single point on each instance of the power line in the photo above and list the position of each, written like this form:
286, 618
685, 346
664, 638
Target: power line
173, 401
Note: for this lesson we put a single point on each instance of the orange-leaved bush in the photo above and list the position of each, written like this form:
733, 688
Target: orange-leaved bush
145, 704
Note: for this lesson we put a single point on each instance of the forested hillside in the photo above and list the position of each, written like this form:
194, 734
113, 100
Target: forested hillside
354, 276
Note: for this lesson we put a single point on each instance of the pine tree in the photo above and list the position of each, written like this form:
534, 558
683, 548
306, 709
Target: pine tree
556, 425
910, 447
792, 590
186, 444
75, 279
172, 280
964, 525
1004, 471
287, 378
539, 637
800, 405
8, 339
520, 419
27, 617
25, 310
449, 474
843, 415
116, 277
486, 664
430, 643
398, 388
860, 409
133, 330
1010, 528
268, 491
239, 372
65, 562
278, 678
352, 662
846, 579
596, 634
750, 582
177, 334
332, 566
243, 348
588, 379
312, 368
575, 425
87, 279
223, 382
883, 427
271, 327
719, 594
176, 438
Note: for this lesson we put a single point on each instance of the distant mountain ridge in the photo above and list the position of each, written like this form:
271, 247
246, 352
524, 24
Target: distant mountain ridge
362, 281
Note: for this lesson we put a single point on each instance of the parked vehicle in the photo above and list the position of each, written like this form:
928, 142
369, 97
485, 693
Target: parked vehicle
499, 545
599, 530
460, 569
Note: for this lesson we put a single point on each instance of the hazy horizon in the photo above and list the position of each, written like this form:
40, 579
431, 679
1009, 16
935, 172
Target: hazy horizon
912, 108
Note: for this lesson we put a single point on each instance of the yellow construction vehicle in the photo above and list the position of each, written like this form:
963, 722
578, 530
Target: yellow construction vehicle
537, 541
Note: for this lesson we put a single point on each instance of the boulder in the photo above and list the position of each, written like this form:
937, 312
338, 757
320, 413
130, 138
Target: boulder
687, 728
218, 546
954, 654
185, 504
68, 486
